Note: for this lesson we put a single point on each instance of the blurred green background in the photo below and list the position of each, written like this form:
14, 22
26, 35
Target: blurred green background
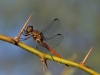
79, 25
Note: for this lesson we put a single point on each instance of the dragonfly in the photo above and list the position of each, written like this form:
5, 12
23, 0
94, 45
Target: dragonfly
45, 38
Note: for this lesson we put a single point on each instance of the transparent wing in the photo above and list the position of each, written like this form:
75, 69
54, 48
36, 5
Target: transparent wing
54, 41
43, 49
50, 50
51, 29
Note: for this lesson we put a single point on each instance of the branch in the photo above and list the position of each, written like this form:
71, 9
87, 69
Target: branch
47, 56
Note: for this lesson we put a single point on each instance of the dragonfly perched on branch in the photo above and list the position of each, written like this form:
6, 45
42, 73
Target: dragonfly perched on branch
45, 38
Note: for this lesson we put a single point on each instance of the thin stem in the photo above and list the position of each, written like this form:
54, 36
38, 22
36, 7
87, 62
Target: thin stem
87, 56
20, 33
47, 56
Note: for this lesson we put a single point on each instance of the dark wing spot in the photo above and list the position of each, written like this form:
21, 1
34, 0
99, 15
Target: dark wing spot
58, 34
56, 19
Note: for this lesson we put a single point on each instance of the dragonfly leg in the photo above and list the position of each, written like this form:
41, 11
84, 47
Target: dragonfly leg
25, 38
24, 33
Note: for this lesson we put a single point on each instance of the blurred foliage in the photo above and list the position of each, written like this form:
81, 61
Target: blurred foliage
79, 19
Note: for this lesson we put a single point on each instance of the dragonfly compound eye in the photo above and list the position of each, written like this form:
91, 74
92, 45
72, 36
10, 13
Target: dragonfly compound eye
29, 29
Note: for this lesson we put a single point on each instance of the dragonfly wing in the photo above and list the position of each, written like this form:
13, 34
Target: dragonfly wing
49, 49
51, 29
54, 40
39, 47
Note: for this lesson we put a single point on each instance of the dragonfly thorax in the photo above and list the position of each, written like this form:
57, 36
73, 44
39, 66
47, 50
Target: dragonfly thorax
36, 35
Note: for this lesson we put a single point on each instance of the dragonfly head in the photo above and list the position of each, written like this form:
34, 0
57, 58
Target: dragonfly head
29, 29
